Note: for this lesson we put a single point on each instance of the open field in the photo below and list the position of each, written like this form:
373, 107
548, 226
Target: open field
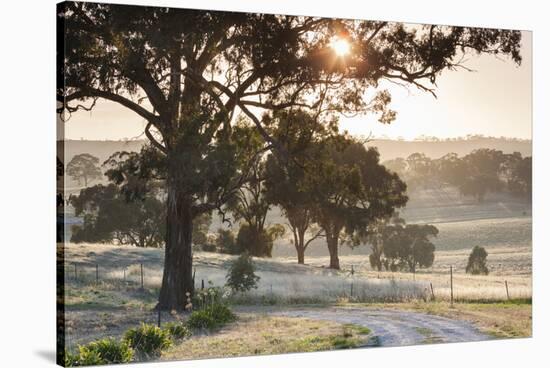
116, 302
119, 267
296, 302
471, 226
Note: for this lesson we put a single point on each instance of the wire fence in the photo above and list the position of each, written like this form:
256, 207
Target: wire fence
290, 288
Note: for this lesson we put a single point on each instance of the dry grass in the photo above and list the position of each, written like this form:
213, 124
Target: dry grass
259, 335
505, 264
279, 282
283, 281
502, 320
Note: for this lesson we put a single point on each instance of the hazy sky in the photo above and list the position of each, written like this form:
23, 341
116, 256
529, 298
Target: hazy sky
495, 100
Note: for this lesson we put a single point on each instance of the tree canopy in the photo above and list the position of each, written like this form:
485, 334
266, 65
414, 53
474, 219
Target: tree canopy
109, 217
408, 246
351, 190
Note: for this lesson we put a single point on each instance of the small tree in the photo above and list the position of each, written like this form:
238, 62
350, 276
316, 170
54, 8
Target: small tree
477, 261
84, 167
409, 246
241, 276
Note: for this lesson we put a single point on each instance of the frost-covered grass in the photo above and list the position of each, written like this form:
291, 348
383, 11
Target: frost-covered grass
284, 281
117, 302
280, 282
505, 264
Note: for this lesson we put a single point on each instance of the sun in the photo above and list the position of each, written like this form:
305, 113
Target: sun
340, 46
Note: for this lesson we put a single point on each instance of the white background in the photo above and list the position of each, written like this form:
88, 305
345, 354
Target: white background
27, 154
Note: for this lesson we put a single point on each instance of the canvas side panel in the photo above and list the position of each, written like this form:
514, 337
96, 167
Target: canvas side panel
60, 192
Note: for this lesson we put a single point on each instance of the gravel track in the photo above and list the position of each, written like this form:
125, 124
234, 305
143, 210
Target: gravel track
396, 328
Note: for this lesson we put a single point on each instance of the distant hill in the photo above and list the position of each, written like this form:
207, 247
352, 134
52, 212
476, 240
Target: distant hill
388, 148
100, 149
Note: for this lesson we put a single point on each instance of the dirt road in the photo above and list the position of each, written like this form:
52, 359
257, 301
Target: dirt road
395, 328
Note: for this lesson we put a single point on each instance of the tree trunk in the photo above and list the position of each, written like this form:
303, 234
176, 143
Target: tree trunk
177, 278
300, 247
301, 253
332, 242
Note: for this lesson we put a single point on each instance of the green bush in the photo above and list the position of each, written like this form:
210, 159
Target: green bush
87, 356
222, 314
105, 351
177, 330
241, 276
201, 319
148, 340
71, 360
214, 316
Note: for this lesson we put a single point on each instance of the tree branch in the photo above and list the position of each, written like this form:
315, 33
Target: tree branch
92, 92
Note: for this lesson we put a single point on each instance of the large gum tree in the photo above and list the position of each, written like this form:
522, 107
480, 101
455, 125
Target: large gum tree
188, 73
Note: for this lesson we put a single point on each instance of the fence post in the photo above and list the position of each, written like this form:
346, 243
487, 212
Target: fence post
432, 288
158, 321
452, 297
351, 291
203, 298
96, 273
141, 271
507, 293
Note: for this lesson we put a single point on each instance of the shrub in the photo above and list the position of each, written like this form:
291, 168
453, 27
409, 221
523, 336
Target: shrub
148, 340
241, 276
225, 242
71, 360
215, 316
477, 261
177, 330
87, 356
249, 239
105, 351
210, 244
201, 319
222, 314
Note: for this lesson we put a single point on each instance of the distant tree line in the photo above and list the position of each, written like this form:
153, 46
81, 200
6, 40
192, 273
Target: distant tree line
475, 175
